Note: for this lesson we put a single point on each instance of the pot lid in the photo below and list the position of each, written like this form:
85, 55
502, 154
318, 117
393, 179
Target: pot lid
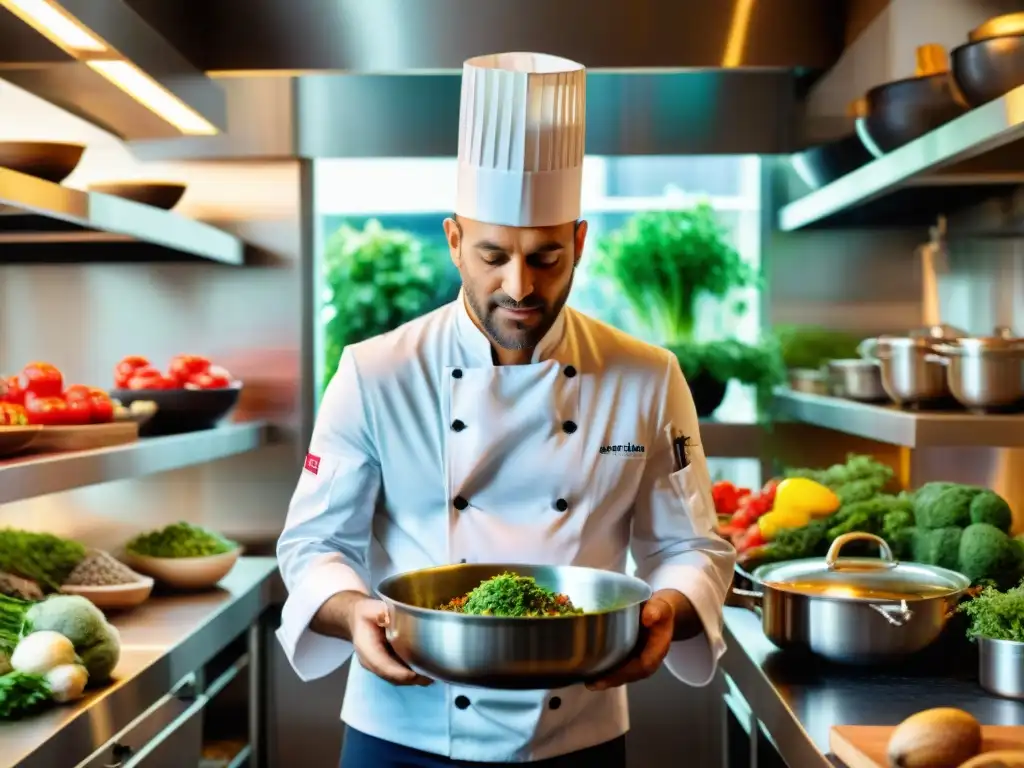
1003, 341
861, 578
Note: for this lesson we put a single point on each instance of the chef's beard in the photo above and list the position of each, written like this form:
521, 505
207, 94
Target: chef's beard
526, 336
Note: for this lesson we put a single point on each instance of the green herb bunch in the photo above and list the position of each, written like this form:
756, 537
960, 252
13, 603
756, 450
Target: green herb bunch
12, 622
23, 694
42, 557
376, 280
180, 540
664, 261
760, 365
510, 594
996, 615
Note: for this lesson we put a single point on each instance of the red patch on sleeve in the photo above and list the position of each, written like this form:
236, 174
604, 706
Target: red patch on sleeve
312, 463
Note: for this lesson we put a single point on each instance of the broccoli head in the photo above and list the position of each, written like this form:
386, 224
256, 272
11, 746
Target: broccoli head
937, 546
941, 505
988, 553
902, 543
989, 507
96, 641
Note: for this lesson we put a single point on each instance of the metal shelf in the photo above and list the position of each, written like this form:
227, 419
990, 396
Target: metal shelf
37, 475
957, 156
39, 219
890, 424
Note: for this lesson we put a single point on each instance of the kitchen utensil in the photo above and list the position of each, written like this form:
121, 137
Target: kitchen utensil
856, 379
985, 373
182, 410
513, 653
185, 572
1001, 667
51, 161
998, 26
911, 373
903, 110
808, 380
866, 746
113, 597
824, 163
987, 69
159, 194
854, 610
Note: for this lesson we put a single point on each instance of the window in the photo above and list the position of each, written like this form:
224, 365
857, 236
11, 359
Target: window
415, 195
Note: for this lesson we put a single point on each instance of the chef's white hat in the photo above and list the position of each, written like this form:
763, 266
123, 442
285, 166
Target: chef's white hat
522, 125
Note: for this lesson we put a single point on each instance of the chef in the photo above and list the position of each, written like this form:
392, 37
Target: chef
502, 427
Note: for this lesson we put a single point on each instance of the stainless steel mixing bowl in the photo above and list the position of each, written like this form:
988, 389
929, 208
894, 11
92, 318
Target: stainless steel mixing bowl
513, 653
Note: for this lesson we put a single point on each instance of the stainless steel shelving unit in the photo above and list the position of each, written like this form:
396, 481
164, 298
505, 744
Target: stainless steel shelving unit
890, 424
921, 163
30, 476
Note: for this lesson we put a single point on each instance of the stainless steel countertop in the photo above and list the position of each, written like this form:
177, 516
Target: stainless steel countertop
798, 699
162, 640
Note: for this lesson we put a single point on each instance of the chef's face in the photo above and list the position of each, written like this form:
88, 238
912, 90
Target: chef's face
516, 279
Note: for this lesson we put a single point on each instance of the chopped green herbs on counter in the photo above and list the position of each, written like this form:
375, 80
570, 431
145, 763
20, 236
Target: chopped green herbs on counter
180, 540
41, 557
512, 595
23, 694
996, 615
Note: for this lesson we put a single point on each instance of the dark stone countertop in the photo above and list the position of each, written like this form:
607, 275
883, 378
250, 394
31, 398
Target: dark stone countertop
798, 698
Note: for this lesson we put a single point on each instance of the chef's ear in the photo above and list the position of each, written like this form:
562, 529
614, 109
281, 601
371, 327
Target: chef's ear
579, 237
453, 234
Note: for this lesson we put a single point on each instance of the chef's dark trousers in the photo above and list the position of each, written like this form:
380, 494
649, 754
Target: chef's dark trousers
363, 751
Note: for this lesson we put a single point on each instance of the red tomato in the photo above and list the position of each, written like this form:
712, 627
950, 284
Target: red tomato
77, 392
125, 369
42, 380
96, 402
213, 378
768, 492
102, 408
48, 411
12, 391
184, 367
149, 377
78, 412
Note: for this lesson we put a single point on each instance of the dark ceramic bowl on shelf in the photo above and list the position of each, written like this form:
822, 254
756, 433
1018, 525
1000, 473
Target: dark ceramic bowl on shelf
988, 69
822, 164
158, 194
182, 410
51, 161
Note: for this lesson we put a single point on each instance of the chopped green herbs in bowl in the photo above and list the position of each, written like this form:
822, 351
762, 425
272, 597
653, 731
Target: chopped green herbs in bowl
183, 556
180, 540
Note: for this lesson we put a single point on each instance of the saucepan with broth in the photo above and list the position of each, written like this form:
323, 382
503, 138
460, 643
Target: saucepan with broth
513, 626
854, 610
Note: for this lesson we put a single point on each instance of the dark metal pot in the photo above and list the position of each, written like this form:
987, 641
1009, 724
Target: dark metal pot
989, 68
854, 610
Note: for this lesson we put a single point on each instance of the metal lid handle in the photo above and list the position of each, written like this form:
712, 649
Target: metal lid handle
887, 560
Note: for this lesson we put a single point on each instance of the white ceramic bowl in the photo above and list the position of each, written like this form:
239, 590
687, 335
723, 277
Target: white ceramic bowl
185, 572
113, 597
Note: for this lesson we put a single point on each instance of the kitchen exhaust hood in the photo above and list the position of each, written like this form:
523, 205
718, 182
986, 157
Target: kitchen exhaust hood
100, 60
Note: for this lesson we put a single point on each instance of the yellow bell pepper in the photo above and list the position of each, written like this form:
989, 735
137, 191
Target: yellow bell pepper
781, 519
802, 495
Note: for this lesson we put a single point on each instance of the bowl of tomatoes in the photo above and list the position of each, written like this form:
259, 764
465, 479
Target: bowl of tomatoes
193, 393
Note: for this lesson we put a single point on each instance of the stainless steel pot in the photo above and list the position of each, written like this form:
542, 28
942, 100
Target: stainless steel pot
854, 610
985, 373
1001, 667
912, 374
513, 653
856, 380
808, 380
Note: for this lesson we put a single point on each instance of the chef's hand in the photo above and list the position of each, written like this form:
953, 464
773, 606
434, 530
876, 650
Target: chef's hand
657, 628
366, 622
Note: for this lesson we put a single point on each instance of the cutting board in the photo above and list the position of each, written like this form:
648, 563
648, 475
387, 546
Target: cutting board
864, 746
84, 438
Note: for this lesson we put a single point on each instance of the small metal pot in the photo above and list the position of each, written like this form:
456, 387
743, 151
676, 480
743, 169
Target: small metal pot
856, 380
912, 374
985, 373
854, 610
1001, 667
808, 380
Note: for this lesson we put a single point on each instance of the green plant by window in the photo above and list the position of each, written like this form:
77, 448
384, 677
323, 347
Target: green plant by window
664, 261
758, 365
376, 280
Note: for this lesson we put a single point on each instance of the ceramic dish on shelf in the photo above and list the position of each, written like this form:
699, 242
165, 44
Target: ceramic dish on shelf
182, 410
13, 440
51, 161
158, 194
113, 597
185, 572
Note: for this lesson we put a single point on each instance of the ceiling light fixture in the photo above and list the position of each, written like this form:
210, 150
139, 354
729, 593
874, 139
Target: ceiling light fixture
59, 27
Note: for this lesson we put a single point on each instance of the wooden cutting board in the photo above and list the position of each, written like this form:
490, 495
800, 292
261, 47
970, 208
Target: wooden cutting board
84, 438
865, 746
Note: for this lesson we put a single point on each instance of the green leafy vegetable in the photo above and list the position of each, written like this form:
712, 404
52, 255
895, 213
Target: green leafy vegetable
758, 365
856, 467
180, 540
46, 559
23, 694
996, 615
12, 622
512, 595
811, 346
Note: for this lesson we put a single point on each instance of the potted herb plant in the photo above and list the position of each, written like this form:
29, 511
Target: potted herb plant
663, 262
376, 279
996, 623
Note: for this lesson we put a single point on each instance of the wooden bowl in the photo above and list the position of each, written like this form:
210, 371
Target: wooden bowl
16, 439
113, 597
158, 194
185, 572
48, 160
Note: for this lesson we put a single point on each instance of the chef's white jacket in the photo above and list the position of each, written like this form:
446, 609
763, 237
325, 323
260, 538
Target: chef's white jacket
425, 453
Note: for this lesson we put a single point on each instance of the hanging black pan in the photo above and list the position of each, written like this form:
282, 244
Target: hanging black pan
903, 110
992, 63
